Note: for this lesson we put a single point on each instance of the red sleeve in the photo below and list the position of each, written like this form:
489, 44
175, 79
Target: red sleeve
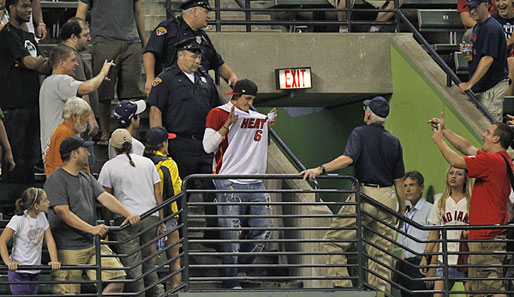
216, 118
478, 165
461, 6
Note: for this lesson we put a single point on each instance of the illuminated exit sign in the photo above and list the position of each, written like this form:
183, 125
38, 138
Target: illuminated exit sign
293, 78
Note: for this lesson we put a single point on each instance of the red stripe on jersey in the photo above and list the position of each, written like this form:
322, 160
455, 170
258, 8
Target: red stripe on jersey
215, 120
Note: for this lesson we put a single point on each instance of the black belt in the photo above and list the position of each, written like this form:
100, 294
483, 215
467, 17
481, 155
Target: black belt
374, 185
193, 136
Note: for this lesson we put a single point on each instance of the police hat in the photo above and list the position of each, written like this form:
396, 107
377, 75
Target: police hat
192, 44
194, 3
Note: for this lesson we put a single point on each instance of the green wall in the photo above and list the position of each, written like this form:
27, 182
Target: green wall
415, 101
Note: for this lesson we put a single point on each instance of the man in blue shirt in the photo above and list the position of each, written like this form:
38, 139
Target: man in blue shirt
412, 250
488, 70
376, 156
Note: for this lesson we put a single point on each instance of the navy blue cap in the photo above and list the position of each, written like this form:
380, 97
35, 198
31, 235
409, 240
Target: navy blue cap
474, 3
194, 3
378, 106
158, 135
127, 109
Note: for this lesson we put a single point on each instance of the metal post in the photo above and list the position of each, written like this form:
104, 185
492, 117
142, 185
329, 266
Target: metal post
217, 13
396, 9
185, 243
360, 270
248, 15
348, 16
445, 263
98, 267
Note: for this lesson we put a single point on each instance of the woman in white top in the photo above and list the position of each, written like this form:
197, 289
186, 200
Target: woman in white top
451, 208
135, 182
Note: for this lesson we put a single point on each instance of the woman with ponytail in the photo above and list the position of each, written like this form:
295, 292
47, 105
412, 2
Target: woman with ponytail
135, 182
452, 208
28, 227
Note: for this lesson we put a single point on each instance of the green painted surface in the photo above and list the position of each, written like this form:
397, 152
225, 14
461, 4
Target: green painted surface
415, 101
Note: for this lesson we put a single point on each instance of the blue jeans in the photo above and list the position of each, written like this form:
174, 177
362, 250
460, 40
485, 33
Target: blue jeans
235, 222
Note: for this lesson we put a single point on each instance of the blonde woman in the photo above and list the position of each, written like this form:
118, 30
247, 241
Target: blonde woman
449, 209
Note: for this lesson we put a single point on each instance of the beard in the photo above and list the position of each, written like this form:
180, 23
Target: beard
79, 127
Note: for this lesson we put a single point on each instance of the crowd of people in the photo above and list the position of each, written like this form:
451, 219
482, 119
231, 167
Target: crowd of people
193, 131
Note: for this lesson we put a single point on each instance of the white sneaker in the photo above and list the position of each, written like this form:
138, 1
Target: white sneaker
237, 288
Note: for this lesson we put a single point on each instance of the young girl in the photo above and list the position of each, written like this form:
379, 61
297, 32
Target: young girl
449, 209
28, 227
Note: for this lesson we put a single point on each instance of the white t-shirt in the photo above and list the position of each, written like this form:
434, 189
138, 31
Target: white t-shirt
28, 238
454, 214
54, 92
132, 186
138, 148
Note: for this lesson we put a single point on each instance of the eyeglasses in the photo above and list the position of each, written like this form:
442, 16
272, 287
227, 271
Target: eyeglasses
364, 107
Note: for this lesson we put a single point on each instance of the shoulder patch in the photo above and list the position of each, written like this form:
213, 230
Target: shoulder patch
156, 82
160, 31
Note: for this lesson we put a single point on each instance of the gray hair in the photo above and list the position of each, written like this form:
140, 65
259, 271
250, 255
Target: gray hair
187, 11
374, 118
75, 105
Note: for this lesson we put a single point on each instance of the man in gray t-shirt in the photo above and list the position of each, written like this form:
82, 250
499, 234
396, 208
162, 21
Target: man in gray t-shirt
118, 34
61, 86
72, 215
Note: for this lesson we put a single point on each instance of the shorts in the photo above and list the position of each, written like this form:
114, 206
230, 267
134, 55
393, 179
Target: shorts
127, 72
83, 257
496, 256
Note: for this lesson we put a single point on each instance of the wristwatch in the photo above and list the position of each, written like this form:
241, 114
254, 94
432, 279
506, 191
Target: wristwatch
323, 169
42, 24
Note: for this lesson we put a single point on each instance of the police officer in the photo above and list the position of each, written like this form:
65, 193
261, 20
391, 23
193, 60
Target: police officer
160, 51
180, 99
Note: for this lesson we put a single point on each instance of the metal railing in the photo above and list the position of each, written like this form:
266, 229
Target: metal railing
296, 250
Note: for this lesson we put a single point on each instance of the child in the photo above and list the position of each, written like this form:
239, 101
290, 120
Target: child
28, 227
156, 149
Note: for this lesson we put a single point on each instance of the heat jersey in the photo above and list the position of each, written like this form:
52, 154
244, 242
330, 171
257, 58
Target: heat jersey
244, 149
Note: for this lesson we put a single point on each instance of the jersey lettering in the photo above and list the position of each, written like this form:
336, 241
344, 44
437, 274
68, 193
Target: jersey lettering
258, 135
457, 216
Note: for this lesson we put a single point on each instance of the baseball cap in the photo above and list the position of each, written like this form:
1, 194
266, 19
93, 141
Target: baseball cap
72, 143
192, 44
194, 3
378, 106
120, 136
127, 109
474, 3
244, 87
158, 135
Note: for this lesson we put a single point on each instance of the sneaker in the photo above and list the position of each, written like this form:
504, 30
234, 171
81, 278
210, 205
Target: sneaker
237, 288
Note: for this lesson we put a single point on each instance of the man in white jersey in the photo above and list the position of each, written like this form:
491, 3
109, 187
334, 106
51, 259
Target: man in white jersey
239, 138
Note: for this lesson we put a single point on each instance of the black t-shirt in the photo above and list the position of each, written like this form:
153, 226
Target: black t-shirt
507, 24
168, 33
19, 86
377, 155
488, 39
184, 105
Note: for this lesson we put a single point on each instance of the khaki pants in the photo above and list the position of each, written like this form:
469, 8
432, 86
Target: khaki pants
495, 256
492, 99
384, 196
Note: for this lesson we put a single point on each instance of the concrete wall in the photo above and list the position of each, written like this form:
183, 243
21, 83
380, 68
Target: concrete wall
356, 65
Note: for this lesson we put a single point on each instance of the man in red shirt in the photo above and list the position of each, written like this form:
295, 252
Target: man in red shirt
490, 196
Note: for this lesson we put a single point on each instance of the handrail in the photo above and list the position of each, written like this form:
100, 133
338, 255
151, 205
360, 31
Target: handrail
442, 64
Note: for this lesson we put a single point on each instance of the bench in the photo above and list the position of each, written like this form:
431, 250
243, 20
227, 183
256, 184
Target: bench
441, 20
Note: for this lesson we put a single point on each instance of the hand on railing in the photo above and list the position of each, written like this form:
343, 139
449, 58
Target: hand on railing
13, 266
161, 229
55, 265
100, 230
133, 219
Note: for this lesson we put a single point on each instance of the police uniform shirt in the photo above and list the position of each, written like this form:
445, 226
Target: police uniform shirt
184, 104
168, 33
19, 86
377, 155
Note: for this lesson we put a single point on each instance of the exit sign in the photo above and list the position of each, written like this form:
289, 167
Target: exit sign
293, 78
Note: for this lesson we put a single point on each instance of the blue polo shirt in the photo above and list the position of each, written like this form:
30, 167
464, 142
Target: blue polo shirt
377, 155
